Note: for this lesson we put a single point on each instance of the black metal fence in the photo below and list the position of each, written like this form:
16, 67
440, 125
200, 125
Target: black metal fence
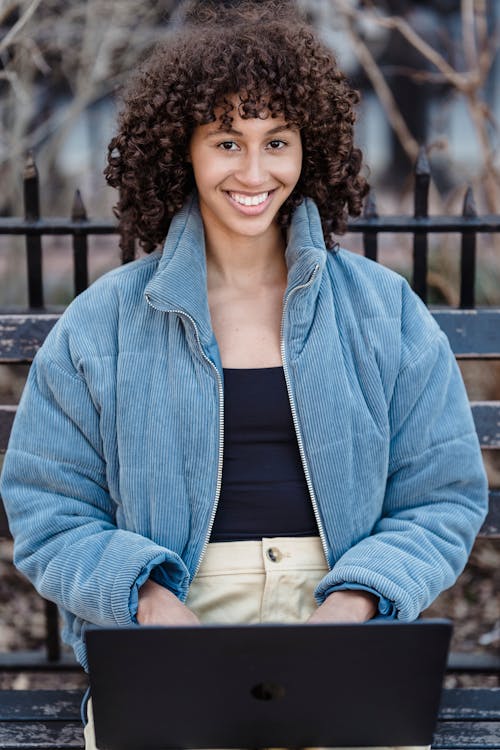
420, 225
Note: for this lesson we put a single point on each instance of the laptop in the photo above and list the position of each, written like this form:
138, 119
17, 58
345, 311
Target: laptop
253, 686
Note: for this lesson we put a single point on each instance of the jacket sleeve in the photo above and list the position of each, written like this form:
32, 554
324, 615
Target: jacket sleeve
60, 512
436, 490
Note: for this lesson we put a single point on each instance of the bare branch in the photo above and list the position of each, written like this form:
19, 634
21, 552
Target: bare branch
418, 76
379, 84
479, 49
487, 44
488, 114
9, 37
468, 33
57, 121
17, 87
461, 81
36, 55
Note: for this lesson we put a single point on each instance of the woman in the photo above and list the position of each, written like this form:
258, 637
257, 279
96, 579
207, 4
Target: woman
250, 425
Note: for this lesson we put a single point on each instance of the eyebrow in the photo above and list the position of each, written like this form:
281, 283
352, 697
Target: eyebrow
232, 131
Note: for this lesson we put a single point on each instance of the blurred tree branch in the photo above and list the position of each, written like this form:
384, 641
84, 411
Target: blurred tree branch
11, 35
378, 80
57, 58
479, 48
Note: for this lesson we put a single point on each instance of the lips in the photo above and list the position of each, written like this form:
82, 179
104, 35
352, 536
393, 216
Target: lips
250, 204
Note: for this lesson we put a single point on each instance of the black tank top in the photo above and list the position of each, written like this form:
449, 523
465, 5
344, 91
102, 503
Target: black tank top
264, 490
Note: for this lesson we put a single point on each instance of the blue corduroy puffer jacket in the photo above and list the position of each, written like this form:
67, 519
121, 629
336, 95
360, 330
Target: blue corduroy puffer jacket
114, 463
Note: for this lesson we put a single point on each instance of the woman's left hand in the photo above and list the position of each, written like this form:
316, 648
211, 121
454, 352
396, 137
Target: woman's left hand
346, 606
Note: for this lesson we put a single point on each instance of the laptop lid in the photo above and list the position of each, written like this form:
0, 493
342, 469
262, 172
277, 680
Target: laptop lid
252, 686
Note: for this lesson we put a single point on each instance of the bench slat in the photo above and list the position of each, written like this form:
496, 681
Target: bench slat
41, 735
479, 704
7, 414
22, 335
50, 719
4, 526
63, 735
37, 661
491, 525
482, 663
473, 334
14, 735
480, 735
60, 735
486, 419
32, 705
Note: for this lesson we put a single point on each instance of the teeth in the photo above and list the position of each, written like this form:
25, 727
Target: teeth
249, 200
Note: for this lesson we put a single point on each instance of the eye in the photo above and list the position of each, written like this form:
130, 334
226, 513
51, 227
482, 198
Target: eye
228, 146
276, 145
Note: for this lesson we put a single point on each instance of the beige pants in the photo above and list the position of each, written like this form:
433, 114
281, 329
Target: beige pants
272, 580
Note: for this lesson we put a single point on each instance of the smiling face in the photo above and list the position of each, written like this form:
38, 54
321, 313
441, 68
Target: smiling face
245, 174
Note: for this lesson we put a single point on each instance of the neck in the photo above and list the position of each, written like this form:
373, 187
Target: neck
245, 261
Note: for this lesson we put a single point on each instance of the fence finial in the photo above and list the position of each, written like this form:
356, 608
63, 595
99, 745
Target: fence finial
469, 205
78, 210
422, 164
31, 191
30, 170
370, 209
422, 181
468, 255
421, 208
80, 246
370, 240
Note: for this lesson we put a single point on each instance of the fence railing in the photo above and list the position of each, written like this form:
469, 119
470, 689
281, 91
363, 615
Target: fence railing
370, 225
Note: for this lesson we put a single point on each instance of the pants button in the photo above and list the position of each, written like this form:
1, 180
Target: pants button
274, 554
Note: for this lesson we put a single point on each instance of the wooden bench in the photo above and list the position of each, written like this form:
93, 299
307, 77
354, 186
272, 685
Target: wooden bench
473, 334
469, 718
37, 719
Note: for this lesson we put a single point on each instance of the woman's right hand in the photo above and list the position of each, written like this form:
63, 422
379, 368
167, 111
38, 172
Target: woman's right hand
158, 606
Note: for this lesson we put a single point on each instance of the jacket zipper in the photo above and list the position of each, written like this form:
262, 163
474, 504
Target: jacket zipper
221, 421
293, 408
183, 314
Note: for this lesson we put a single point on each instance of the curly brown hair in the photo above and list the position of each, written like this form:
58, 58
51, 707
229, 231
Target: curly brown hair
273, 60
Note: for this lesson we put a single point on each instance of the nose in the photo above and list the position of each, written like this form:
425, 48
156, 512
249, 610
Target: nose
252, 170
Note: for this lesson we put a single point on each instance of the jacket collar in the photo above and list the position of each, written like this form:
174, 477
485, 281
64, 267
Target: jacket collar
180, 281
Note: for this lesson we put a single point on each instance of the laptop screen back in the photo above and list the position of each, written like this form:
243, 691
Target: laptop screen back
267, 685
